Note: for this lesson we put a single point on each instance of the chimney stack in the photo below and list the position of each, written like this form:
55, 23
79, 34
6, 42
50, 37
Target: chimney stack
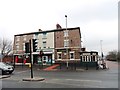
58, 26
83, 49
39, 30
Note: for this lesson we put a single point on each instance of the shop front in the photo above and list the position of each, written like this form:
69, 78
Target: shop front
46, 58
88, 59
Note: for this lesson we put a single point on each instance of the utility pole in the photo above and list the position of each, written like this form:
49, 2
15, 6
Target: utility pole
66, 38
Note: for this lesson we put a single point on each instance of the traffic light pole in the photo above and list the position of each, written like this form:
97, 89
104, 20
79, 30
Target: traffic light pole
31, 59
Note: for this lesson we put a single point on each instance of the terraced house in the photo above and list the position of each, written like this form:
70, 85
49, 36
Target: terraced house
60, 44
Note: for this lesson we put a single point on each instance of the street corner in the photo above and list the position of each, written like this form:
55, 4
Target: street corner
33, 79
4, 76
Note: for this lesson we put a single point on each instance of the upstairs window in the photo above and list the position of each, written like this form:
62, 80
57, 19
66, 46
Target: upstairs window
23, 46
66, 33
44, 35
17, 47
44, 44
66, 43
35, 36
18, 38
24, 37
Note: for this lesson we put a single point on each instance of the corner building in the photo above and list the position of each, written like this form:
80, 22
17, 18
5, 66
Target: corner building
58, 45
67, 45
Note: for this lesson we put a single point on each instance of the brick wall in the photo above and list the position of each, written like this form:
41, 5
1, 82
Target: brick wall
59, 39
21, 41
74, 38
74, 43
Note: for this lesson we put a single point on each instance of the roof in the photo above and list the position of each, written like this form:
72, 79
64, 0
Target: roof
55, 30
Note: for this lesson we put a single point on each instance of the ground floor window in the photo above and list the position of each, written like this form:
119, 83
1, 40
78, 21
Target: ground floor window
59, 55
72, 56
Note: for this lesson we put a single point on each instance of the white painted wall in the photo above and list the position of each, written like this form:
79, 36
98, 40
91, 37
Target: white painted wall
49, 39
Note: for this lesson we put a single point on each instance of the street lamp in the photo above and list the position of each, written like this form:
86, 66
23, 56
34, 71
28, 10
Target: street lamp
101, 49
103, 61
66, 32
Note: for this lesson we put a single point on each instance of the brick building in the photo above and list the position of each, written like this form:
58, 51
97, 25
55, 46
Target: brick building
67, 44
60, 44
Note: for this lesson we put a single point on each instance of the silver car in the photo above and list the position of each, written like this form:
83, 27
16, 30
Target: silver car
6, 68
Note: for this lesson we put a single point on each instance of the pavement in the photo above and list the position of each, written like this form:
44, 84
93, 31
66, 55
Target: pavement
33, 79
4, 76
56, 67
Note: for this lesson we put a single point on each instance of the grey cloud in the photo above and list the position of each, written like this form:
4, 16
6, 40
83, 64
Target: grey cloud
105, 11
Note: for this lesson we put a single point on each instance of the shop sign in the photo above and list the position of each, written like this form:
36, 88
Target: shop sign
86, 54
93, 53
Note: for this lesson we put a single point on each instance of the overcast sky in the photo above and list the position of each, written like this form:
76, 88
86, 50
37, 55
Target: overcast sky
97, 19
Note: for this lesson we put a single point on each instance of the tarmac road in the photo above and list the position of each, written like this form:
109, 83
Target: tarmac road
65, 78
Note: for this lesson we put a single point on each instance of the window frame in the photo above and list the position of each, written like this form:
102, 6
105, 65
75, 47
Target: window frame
23, 46
44, 35
66, 43
44, 44
73, 57
66, 33
59, 53
18, 38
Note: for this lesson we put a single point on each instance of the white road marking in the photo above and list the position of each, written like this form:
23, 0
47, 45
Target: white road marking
21, 71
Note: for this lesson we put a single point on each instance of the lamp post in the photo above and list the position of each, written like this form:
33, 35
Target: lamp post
66, 37
103, 61
101, 49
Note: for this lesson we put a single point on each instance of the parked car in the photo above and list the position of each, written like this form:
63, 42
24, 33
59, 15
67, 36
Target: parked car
6, 68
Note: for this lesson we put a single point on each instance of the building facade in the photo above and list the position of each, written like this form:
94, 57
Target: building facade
46, 45
19, 47
67, 44
57, 45
89, 59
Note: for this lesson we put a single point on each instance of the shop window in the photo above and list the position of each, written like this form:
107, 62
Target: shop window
80, 58
94, 58
83, 58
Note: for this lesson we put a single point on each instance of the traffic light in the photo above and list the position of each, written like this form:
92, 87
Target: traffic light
41, 53
27, 49
34, 45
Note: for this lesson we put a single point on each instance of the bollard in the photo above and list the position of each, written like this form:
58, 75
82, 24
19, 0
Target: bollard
29, 65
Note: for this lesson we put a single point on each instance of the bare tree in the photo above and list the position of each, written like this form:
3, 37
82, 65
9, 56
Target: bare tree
113, 55
5, 47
